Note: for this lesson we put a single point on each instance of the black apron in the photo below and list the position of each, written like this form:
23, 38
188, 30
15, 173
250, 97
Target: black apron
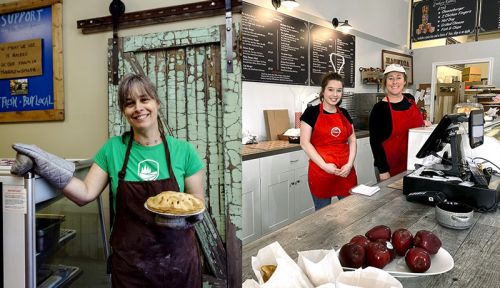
145, 254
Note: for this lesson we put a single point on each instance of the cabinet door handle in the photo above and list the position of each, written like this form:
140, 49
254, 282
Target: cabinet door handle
293, 161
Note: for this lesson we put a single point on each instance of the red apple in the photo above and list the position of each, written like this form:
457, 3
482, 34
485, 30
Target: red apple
427, 240
418, 260
377, 255
361, 240
402, 240
389, 247
352, 255
379, 232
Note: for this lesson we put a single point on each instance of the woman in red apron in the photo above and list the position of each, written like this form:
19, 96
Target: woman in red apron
390, 121
327, 136
139, 165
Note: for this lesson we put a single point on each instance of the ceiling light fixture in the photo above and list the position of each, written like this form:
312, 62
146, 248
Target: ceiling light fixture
288, 4
344, 25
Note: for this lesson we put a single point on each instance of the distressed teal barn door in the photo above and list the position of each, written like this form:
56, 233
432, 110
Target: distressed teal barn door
201, 103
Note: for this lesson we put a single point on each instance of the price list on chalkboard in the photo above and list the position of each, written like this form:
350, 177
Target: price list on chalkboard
443, 18
274, 47
325, 41
490, 15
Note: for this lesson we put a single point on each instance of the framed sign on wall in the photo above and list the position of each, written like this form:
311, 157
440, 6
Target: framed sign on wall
390, 57
31, 61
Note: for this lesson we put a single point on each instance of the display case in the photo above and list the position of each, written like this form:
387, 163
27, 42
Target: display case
48, 241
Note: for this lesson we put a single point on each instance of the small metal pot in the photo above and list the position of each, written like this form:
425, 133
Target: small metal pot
454, 215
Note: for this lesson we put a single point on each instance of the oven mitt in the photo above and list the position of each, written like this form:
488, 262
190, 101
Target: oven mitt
54, 169
22, 165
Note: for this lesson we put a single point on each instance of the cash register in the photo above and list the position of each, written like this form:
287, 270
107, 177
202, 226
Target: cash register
460, 179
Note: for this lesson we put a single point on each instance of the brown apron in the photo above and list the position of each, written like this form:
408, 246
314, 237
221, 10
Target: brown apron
145, 254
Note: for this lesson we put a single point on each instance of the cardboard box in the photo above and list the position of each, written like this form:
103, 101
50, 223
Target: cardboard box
277, 122
471, 70
471, 78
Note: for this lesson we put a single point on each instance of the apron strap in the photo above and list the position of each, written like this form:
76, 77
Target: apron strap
121, 174
167, 156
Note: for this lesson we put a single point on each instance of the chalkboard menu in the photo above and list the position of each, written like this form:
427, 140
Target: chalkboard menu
490, 15
443, 18
275, 47
325, 41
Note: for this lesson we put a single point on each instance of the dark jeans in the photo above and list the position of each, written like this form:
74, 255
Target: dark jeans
322, 202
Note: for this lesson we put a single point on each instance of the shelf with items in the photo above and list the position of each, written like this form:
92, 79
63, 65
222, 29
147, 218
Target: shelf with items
484, 95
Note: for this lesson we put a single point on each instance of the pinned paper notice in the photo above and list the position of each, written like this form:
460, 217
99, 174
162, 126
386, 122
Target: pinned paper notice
14, 199
365, 190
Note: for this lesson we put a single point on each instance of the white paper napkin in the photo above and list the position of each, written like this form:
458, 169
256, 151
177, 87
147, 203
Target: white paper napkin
370, 277
365, 190
321, 266
250, 283
287, 274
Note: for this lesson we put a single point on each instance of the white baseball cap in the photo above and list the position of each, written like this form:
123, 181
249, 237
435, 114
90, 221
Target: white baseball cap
394, 68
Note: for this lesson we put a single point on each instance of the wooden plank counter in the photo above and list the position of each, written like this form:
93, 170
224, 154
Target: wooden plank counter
476, 251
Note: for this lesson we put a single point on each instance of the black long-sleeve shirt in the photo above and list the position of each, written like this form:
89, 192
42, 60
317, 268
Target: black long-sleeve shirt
380, 126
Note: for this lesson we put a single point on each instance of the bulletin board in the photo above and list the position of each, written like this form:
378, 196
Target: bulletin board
31, 61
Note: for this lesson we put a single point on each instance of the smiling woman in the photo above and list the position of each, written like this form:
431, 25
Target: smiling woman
140, 164
390, 121
327, 136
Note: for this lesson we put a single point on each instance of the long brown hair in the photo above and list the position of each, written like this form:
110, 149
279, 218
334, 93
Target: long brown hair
131, 81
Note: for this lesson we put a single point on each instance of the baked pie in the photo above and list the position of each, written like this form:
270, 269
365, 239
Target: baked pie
176, 203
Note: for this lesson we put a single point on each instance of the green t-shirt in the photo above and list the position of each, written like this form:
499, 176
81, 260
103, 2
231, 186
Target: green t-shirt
147, 163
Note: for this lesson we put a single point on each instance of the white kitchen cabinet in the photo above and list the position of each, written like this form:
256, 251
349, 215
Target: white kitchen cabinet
364, 162
285, 195
277, 199
303, 200
276, 190
251, 212
275, 193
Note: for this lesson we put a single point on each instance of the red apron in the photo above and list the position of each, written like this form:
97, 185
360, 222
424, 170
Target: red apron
145, 254
329, 138
396, 146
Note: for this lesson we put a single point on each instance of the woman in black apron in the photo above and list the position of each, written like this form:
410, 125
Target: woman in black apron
144, 253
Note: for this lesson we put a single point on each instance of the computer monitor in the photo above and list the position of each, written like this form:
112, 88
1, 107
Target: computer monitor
446, 132
440, 136
476, 128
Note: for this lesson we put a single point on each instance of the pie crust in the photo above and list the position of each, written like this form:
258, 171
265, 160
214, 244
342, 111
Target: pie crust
175, 203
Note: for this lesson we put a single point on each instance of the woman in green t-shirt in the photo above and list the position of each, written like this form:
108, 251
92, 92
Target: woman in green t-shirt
139, 164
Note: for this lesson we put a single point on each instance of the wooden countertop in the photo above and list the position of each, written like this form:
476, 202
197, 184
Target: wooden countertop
267, 148
476, 251
274, 147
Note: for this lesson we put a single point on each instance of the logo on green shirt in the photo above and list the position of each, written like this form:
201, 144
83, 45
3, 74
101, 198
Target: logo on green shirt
148, 170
